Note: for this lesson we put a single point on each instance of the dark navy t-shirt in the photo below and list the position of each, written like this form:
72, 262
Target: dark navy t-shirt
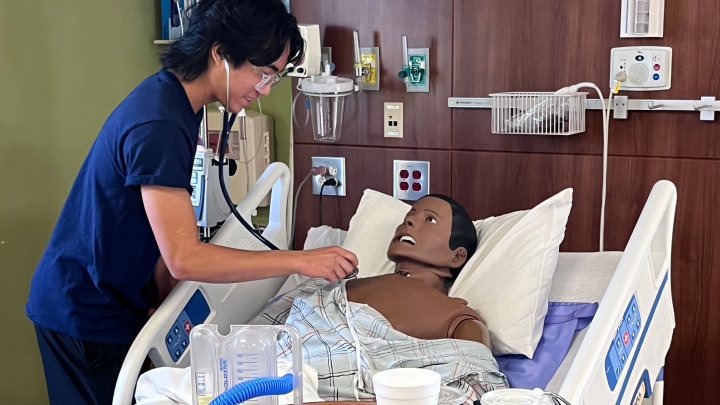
91, 282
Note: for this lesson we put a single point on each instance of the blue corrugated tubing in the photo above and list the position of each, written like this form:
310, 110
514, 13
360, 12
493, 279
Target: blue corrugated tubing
258, 387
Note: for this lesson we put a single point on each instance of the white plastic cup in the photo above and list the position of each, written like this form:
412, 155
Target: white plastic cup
404, 386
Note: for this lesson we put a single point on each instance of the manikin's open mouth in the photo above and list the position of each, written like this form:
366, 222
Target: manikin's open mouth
408, 239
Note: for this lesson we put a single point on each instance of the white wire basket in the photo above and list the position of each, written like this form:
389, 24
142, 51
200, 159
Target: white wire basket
538, 113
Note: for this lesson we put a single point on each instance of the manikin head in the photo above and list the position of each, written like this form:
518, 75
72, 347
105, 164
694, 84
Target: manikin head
434, 241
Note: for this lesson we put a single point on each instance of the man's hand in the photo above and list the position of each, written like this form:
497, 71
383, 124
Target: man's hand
332, 263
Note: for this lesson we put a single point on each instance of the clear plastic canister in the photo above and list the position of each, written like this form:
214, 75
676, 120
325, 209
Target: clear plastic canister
327, 96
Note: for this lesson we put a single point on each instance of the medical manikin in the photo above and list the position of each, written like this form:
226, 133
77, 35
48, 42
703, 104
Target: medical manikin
429, 250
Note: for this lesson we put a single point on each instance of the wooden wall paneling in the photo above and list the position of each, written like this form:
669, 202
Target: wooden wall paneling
544, 45
489, 183
691, 371
427, 23
366, 168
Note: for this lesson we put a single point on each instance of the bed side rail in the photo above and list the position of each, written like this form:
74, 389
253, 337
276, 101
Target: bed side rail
191, 303
641, 283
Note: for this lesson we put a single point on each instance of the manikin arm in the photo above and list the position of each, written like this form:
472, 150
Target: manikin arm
474, 331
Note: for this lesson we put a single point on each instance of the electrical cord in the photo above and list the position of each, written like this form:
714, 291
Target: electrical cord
606, 130
295, 203
332, 182
320, 210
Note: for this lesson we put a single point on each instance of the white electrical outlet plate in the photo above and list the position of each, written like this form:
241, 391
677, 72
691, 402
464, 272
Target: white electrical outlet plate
411, 179
393, 120
648, 68
332, 163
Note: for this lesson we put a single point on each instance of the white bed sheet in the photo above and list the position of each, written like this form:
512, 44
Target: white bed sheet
580, 277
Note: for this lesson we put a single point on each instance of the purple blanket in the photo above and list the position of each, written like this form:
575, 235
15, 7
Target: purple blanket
561, 322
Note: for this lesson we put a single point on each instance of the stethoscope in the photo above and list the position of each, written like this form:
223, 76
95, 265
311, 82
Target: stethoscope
228, 121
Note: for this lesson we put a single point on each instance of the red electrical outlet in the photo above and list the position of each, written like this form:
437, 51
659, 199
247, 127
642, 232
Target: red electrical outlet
411, 179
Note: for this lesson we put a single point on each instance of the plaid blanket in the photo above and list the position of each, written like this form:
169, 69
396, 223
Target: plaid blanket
347, 343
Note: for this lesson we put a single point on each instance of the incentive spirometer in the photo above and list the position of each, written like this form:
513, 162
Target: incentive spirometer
242, 366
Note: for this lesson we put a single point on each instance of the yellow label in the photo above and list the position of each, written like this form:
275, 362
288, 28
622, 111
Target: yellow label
369, 66
617, 87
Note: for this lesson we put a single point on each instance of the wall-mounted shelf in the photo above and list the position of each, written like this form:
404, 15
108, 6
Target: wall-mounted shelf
163, 41
706, 106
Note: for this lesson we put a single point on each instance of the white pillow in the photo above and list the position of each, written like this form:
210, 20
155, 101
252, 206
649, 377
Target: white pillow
371, 231
508, 279
517, 255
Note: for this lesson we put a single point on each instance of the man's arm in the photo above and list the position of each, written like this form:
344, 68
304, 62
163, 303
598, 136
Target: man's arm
474, 331
172, 219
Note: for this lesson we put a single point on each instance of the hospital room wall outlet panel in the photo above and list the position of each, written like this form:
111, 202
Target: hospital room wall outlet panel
411, 179
335, 168
648, 68
177, 339
393, 120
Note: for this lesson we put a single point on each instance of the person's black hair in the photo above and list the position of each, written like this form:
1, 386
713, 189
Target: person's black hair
255, 31
462, 232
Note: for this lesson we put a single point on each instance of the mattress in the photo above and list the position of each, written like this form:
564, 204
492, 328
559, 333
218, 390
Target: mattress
580, 277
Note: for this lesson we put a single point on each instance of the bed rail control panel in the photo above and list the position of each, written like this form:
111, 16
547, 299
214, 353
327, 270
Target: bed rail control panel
177, 339
625, 337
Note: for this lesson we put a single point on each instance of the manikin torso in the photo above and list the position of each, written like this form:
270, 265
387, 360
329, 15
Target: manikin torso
411, 306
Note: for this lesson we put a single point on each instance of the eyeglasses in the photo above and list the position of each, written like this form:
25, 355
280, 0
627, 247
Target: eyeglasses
272, 80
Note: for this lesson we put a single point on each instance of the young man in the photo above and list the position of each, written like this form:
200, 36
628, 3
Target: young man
129, 210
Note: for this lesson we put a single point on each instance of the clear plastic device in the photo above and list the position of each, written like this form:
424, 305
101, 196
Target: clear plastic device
327, 95
220, 362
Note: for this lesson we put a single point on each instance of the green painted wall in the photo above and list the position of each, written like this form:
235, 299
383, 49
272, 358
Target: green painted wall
278, 105
64, 66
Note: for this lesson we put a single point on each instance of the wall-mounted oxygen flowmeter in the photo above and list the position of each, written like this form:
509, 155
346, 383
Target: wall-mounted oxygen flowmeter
416, 70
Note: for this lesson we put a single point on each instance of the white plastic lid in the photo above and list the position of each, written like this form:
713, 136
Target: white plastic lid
513, 396
327, 84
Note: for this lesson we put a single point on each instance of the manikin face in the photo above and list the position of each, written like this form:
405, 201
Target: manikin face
422, 241
243, 80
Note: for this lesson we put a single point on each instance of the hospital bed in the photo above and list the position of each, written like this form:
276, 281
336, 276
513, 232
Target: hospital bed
620, 355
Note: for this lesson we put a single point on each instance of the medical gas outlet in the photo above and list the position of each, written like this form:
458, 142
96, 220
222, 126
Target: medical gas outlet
416, 69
